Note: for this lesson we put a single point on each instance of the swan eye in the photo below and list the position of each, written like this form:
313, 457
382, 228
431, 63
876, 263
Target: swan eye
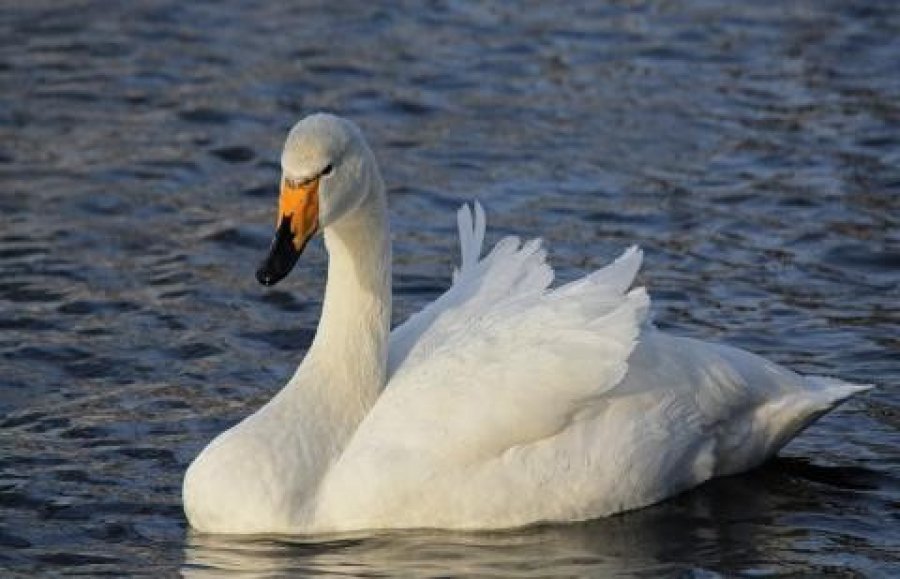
327, 169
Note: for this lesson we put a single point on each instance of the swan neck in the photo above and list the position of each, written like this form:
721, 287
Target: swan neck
350, 347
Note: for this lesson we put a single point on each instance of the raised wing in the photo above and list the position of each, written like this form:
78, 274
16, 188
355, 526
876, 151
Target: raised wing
510, 366
509, 374
510, 270
499, 360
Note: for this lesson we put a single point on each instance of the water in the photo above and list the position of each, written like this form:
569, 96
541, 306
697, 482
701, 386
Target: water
753, 151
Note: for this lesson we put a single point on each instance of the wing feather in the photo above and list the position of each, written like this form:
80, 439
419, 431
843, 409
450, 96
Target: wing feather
510, 270
499, 360
503, 367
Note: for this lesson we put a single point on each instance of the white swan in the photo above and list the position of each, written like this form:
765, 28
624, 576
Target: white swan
502, 403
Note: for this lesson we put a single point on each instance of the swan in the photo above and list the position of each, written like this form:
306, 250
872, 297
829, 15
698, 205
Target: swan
501, 404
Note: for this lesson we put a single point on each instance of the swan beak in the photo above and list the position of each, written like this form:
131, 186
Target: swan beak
298, 221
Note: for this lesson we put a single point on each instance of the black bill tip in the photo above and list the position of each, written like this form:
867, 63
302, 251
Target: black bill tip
281, 258
267, 277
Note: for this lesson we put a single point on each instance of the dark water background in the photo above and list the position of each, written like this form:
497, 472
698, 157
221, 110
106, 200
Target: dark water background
752, 150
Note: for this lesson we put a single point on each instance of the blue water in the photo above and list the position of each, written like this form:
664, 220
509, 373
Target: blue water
752, 150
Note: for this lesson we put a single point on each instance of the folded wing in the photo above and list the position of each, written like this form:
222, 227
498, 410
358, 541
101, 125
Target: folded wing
497, 363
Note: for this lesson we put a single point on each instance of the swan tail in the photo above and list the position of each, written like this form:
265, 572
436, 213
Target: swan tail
793, 413
828, 393
821, 395
778, 421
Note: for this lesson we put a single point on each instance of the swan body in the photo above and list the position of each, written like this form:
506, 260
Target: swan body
502, 403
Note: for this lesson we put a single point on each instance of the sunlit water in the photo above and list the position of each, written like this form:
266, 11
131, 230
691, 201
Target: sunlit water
753, 152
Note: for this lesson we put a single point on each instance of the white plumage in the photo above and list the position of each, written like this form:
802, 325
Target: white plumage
502, 403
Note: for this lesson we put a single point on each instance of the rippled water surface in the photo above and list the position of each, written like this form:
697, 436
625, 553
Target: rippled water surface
753, 151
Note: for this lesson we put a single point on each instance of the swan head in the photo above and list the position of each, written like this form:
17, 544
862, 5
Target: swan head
327, 172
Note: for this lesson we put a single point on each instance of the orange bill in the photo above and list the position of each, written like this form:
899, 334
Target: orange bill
298, 221
299, 204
